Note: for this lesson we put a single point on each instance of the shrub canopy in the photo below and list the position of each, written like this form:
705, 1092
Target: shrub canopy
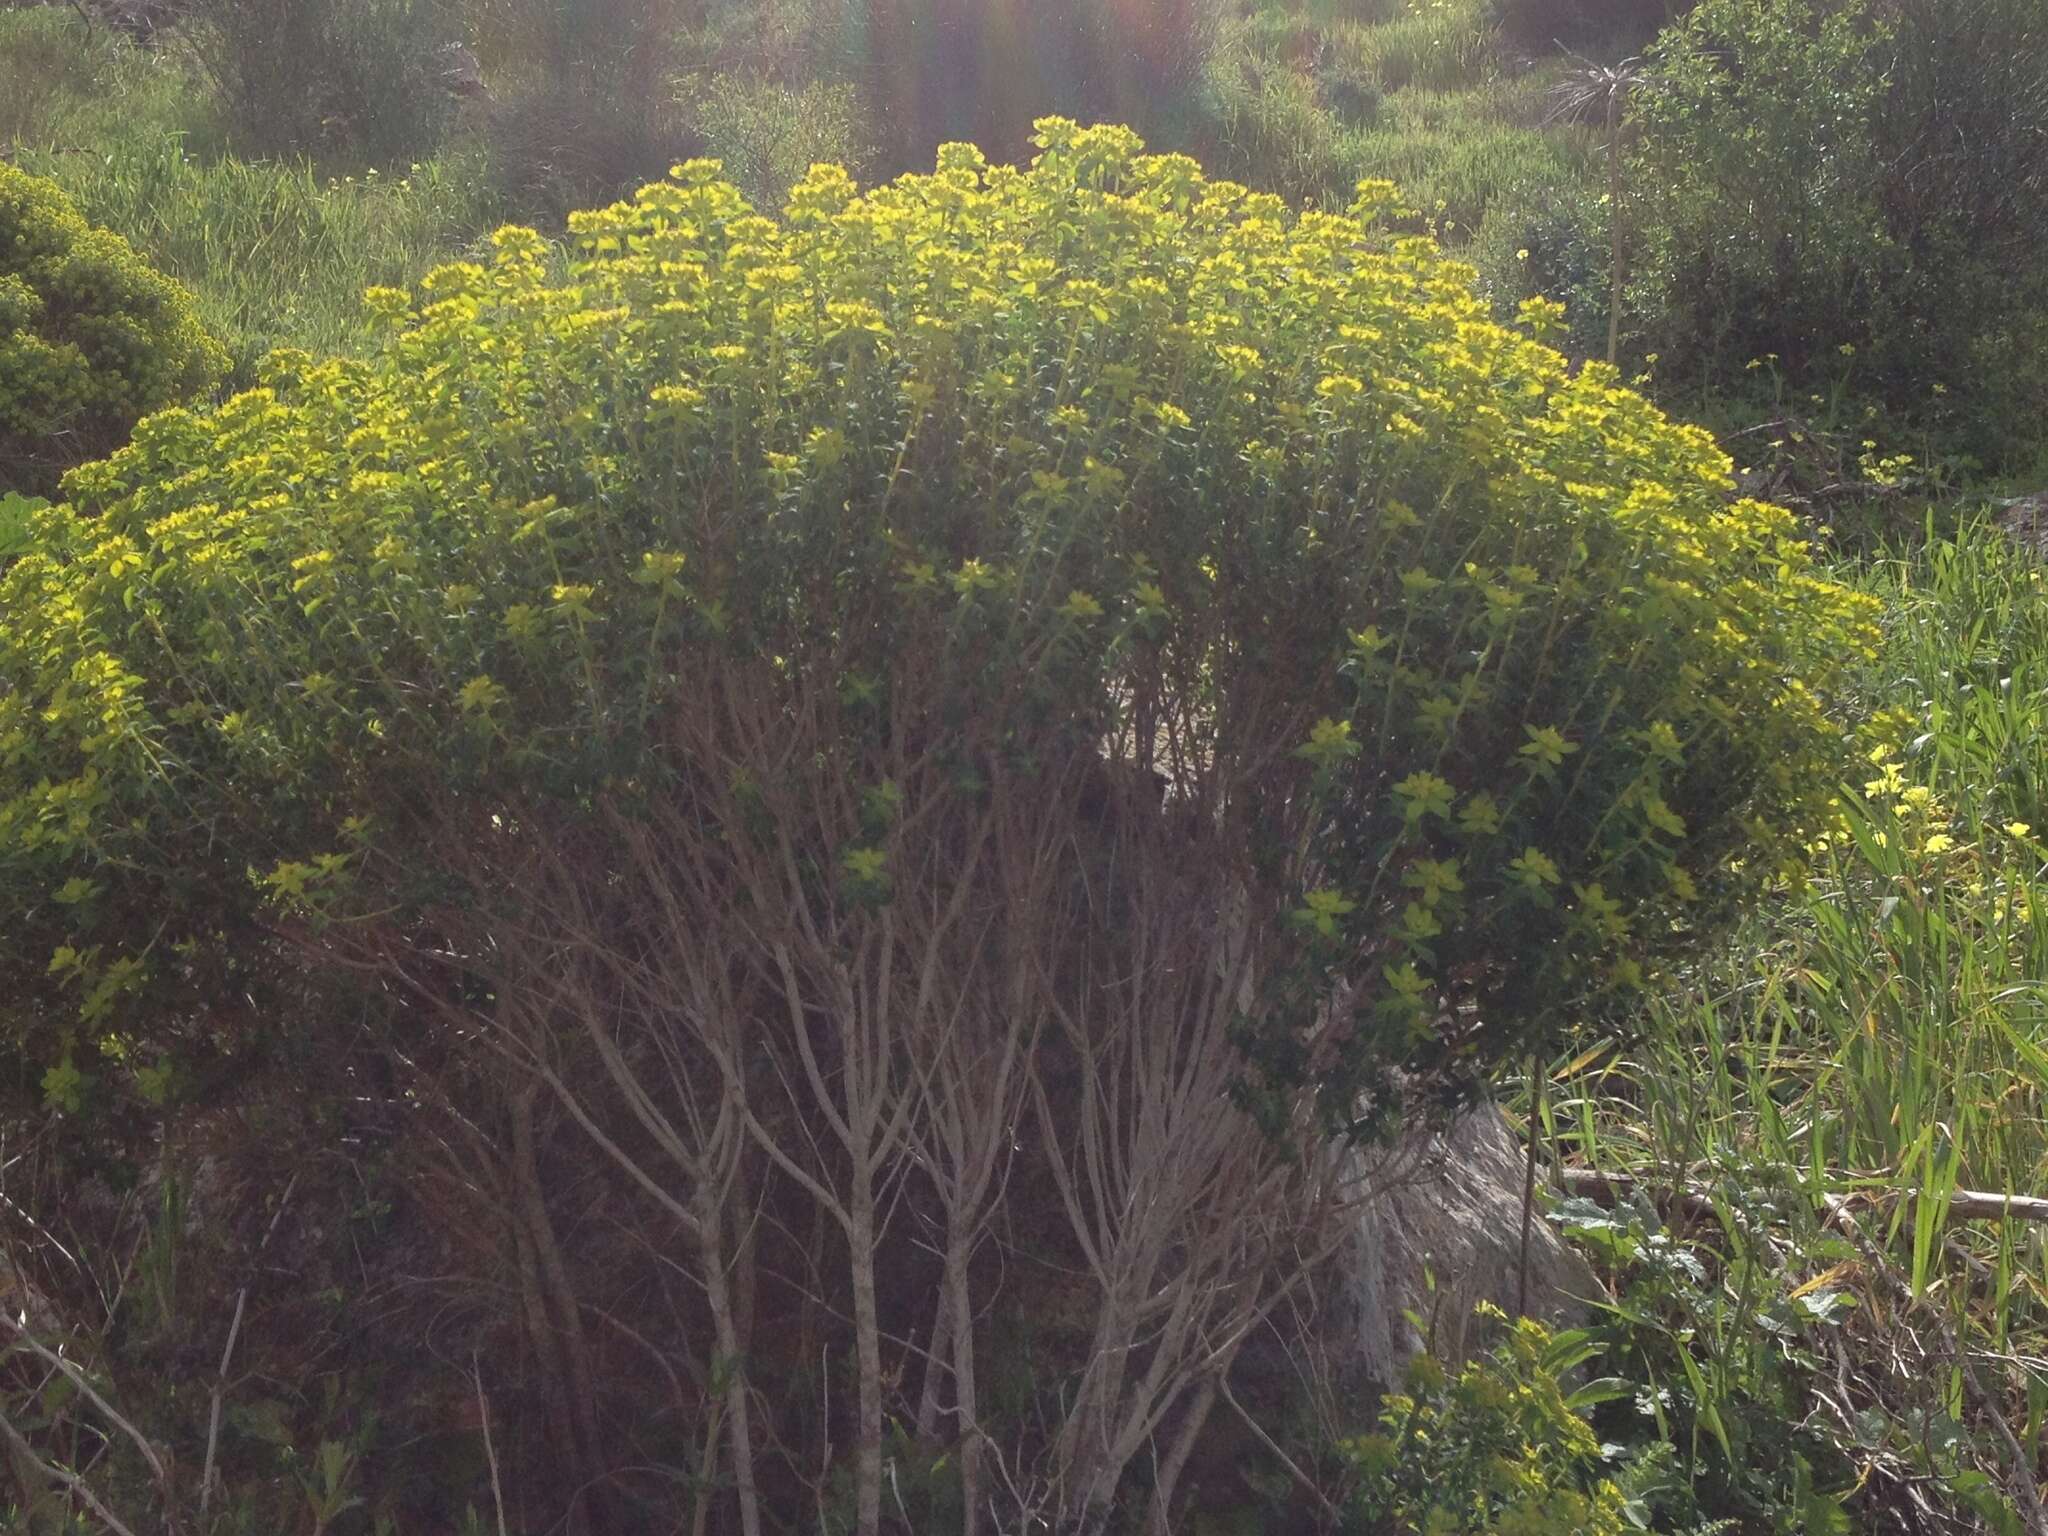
91, 339
1467, 690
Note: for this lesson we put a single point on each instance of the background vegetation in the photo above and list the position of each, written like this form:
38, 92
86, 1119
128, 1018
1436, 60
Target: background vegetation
91, 339
1814, 225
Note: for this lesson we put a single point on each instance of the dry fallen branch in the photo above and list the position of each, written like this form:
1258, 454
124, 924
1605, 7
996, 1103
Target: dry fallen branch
85, 1389
71, 1482
1968, 1204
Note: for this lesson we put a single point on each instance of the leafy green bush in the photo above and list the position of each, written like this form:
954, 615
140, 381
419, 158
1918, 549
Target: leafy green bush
1005, 617
1779, 97
91, 339
1717, 1356
15, 513
1857, 193
359, 79
1530, 701
1963, 136
1501, 1448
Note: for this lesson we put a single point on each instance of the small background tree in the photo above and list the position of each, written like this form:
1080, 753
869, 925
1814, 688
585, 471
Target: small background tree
349, 80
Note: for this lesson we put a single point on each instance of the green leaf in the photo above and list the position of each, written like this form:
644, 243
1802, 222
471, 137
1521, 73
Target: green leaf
16, 513
1602, 1389
265, 1419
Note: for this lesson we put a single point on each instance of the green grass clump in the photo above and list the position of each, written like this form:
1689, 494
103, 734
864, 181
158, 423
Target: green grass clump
768, 135
1908, 986
1453, 153
83, 89
1876, 1042
275, 253
1272, 123
1416, 98
1437, 45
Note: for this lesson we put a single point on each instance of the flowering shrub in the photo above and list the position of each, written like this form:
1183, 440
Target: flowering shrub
90, 338
1474, 689
913, 708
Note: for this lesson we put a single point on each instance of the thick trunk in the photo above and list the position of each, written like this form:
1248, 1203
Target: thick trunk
1197, 1414
1086, 1439
745, 1269
937, 1363
1440, 1239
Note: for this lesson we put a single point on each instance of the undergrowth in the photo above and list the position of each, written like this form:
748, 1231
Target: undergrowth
1817, 1122
276, 254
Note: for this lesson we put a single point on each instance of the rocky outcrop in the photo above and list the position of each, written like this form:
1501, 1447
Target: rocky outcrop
1446, 1236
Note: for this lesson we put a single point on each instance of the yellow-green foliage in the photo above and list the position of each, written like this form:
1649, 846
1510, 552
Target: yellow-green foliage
1484, 688
274, 253
91, 339
1498, 1449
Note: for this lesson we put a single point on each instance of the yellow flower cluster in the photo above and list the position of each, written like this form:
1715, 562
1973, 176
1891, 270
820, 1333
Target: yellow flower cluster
1513, 693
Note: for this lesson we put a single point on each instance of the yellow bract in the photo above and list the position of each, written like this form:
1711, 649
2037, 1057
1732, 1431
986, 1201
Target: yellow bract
1480, 640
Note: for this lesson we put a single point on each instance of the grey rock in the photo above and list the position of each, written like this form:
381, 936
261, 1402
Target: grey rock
1454, 1217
